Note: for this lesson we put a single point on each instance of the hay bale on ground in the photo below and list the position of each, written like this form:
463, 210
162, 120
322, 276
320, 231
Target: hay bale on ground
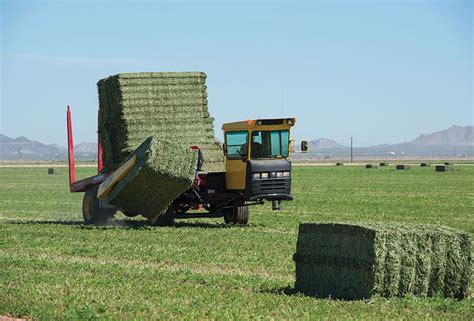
356, 261
163, 171
339, 164
54, 171
370, 166
402, 167
382, 164
425, 164
447, 163
173, 105
444, 168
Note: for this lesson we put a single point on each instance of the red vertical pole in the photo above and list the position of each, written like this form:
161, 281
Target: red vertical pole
70, 149
100, 164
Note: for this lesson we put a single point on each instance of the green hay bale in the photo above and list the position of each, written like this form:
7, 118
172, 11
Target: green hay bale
161, 75
163, 171
382, 164
402, 167
166, 105
339, 164
357, 261
54, 171
368, 166
444, 168
447, 163
425, 165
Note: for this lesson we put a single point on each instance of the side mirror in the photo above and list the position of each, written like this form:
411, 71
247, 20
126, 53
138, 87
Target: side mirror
224, 148
304, 146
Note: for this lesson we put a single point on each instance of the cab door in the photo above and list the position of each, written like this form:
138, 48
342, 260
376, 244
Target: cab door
237, 153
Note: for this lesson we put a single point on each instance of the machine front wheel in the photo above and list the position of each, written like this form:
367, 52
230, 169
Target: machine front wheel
237, 215
164, 219
91, 210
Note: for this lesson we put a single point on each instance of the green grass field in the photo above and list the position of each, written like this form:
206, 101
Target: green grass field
53, 266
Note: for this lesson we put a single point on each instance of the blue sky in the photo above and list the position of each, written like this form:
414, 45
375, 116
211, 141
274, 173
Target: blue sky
383, 72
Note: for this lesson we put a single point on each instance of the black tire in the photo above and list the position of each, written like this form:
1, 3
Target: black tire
237, 215
91, 211
129, 214
165, 219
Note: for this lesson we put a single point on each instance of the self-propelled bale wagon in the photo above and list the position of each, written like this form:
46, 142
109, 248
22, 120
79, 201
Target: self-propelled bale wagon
257, 168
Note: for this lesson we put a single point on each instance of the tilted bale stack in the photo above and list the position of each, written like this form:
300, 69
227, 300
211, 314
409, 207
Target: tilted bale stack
172, 105
164, 169
356, 261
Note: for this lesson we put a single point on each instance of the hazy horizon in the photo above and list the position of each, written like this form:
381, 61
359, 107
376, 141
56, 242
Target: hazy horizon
382, 72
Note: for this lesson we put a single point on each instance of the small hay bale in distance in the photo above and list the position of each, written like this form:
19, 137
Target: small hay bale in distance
447, 163
382, 164
357, 261
402, 167
425, 165
368, 166
163, 171
339, 164
444, 168
54, 171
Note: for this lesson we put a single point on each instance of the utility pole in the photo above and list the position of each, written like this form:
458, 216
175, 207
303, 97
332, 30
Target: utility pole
351, 151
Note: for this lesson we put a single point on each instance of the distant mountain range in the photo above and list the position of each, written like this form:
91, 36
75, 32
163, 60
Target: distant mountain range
454, 141
457, 141
14, 148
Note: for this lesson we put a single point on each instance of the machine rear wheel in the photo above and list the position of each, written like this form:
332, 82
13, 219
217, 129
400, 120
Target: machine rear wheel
91, 210
237, 215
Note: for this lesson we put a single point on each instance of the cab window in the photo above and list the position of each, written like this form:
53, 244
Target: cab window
270, 144
237, 144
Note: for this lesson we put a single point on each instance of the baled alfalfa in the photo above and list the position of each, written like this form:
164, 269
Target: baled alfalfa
402, 166
443, 168
369, 166
382, 164
425, 164
136, 105
163, 171
54, 171
356, 261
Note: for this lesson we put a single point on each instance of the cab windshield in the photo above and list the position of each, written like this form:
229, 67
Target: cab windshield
270, 144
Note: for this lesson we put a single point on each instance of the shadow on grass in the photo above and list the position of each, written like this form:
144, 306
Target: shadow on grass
129, 224
291, 291
287, 290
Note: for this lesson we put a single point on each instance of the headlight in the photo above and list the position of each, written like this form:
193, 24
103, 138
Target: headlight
286, 174
279, 174
264, 175
256, 175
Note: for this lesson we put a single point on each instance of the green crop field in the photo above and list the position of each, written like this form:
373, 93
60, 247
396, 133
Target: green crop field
53, 266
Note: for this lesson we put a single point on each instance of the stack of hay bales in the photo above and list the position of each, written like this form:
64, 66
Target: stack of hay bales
356, 261
164, 169
169, 105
